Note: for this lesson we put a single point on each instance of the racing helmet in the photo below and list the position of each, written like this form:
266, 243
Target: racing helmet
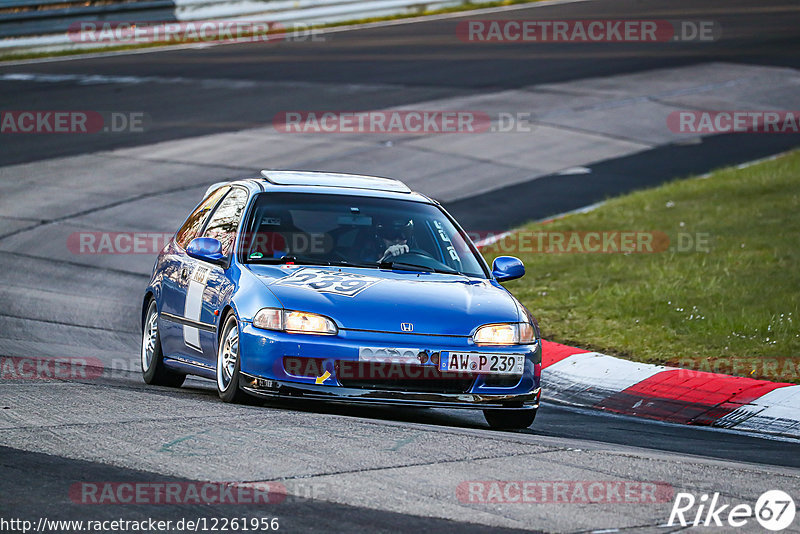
394, 229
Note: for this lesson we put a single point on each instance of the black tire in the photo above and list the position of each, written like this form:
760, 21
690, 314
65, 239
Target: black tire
227, 377
151, 357
510, 419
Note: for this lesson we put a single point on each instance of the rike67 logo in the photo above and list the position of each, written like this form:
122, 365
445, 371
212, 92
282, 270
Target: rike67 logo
774, 510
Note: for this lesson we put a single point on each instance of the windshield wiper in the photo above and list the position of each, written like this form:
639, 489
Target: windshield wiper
288, 259
344, 263
388, 264
310, 261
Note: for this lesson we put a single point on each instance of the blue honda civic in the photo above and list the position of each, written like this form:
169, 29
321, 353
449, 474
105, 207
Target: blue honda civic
339, 288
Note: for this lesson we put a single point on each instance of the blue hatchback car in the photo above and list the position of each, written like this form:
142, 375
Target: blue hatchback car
339, 288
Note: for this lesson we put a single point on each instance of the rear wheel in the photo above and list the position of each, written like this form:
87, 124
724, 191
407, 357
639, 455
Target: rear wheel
228, 362
510, 419
153, 370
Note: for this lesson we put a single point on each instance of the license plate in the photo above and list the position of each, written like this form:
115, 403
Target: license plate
474, 362
388, 355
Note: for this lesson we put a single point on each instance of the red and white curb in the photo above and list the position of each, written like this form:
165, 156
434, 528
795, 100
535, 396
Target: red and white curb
590, 379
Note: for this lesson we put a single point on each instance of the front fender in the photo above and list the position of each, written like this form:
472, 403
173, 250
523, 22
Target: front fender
153, 289
249, 295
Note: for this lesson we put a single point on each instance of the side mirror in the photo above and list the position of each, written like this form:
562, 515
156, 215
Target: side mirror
505, 268
206, 249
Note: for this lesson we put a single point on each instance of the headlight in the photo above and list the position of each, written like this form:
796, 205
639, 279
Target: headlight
505, 334
307, 323
295, 322
269, 319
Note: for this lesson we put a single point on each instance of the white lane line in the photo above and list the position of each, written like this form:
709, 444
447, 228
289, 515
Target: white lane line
97, 79
210, 83
574, 170
747, 164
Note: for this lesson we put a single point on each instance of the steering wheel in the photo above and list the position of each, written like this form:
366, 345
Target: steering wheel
412, 253
418, 252
420, 258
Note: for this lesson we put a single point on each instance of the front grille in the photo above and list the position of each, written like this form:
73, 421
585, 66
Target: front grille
502, 381
401, 377
303, 367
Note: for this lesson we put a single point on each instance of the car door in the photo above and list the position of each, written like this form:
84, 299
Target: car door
177, 267
209, 284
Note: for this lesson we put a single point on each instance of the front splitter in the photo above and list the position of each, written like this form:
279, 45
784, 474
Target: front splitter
268, 388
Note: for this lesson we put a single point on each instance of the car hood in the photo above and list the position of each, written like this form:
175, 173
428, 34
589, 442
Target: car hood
382, 300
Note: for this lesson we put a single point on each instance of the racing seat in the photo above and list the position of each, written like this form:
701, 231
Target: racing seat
273, 234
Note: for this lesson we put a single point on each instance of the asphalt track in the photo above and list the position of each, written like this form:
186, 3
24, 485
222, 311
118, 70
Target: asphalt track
371, 469
414, 62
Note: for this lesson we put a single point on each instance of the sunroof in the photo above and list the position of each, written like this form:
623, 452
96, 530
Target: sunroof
326, 179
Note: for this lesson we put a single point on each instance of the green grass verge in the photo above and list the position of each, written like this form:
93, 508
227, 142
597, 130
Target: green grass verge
731, 307
467, 6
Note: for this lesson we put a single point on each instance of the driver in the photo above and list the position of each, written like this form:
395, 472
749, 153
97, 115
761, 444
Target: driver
393, 237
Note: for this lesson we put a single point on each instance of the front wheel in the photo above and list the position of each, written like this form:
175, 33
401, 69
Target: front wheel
510, 419
229, 362
153, 370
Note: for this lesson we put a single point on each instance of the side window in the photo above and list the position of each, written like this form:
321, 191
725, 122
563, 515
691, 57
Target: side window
226, 219
195, 221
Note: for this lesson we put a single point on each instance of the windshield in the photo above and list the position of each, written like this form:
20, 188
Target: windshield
305, 228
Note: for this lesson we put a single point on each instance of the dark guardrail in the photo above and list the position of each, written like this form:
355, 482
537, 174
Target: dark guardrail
39, 17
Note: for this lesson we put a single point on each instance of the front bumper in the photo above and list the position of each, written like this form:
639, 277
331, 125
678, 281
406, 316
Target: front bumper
268, 388
264, 374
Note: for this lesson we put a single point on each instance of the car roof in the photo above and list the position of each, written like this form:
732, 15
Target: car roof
330, 179
327, 183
